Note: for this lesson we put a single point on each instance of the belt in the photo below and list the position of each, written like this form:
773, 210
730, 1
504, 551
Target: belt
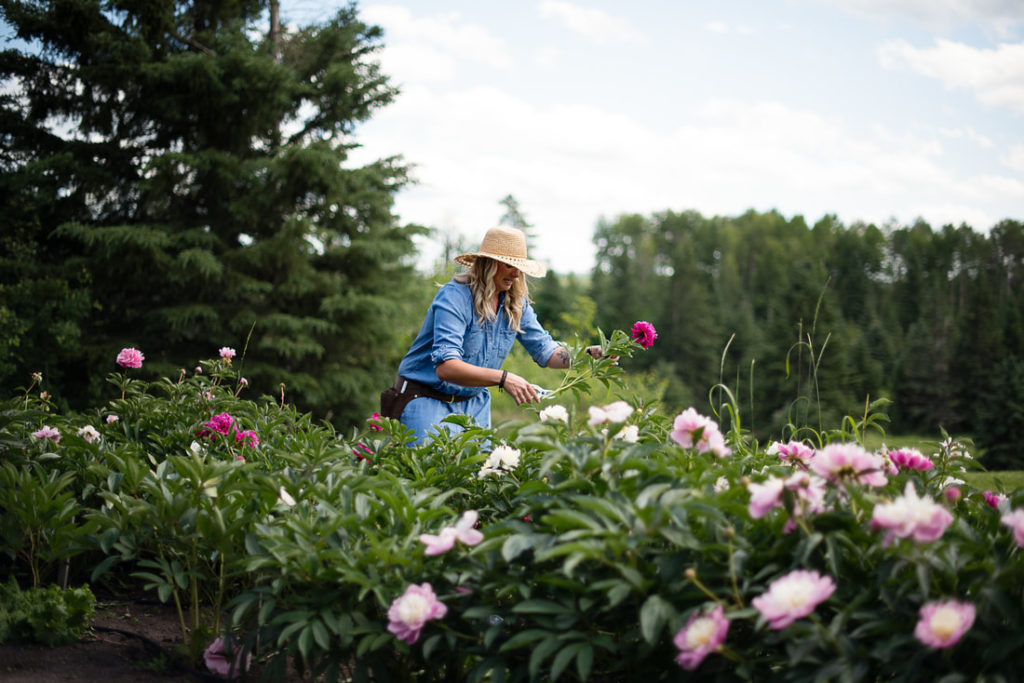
417, 389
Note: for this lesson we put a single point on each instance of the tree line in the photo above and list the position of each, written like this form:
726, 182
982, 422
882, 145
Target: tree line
805, 324
176, 177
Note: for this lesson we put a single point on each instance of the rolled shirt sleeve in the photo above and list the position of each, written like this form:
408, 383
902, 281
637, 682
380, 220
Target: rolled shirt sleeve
450, 324
535, 339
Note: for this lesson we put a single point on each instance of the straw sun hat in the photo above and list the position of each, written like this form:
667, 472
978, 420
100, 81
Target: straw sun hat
507, 245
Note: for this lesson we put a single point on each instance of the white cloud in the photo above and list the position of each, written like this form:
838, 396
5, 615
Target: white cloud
445, 34
996, 77
592, 23
967, 133
569, 165
1002, 15
723, 27
1014, 158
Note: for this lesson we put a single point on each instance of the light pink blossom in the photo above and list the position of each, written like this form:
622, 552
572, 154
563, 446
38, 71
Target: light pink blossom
218, 657
111, 419
644, 333
792, 452
764, 496
619, 411
440, 543
910, 516
227, 353
793, 596
410, 612
910, 459
47, 432
952, 494
690, 429
130, 358
702, 635
463, 531
1015, 520
942, 624
89, 433
994, 499
849, 462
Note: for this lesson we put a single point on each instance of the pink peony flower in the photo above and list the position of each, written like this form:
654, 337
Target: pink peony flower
410, 612
439, 544
111, 419
910, 459
793, 596
219, 424
227, 353
644, 333
47, 432
952, 494
463, 531
243, 382
909, 516
240, 458
693, 430
130, 358
702, 635
360, 455
764, 496
1015, 520
792, 452
247, 438
849, 462
942, 624
994, 499
218, 657
375, 422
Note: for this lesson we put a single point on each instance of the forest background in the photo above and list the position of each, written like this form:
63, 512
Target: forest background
176, 177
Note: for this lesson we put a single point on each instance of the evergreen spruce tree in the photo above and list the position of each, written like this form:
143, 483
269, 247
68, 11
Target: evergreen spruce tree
182, 171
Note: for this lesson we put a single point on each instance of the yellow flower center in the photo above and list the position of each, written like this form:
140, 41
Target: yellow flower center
945, 621
700, 633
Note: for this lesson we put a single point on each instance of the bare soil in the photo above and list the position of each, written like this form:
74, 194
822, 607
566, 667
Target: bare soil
130, 641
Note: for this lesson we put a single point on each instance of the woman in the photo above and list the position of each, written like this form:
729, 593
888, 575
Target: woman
466, 335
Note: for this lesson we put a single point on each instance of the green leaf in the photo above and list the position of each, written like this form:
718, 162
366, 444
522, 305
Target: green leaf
654, 613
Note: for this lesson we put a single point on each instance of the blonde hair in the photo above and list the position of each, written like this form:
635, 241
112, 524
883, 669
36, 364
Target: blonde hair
480, 278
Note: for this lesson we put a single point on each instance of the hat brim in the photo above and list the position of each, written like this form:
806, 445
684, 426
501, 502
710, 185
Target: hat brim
527, 266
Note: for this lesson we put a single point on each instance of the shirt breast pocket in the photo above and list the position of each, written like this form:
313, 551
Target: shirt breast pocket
472, 346
506, 338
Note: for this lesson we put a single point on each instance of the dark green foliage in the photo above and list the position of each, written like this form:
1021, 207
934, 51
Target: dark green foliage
49, 615
814, 322
177, 183
1000, 415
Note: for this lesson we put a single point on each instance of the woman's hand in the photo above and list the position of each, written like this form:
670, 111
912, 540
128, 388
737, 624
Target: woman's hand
596, 353
520, 390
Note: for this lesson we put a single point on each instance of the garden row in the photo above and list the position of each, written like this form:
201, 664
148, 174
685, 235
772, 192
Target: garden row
618, 541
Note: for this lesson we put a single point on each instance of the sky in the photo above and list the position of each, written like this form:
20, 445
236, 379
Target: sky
880, 111
875, 111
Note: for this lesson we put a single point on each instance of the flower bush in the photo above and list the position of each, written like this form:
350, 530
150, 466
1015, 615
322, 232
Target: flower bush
638, 541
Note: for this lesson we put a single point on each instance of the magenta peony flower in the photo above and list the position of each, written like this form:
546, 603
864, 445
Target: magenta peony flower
952, 494
942, 624
247, 438
47, 432
910, 459
909, 516
359, 451
792, 452
644, 334
702, 635
994, 499
130, 358
218, 657
793, 596
692, 430
1015, 520
219, 424
226, 353
375, 422
410, 612
849, 462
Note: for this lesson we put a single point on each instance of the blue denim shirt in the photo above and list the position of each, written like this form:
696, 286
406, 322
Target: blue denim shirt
452, 330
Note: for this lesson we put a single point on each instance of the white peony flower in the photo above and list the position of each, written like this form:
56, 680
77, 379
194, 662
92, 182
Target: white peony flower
555, 413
